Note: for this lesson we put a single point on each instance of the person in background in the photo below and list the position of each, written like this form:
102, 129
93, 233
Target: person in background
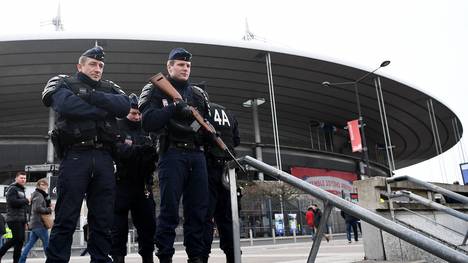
310, 220
2, 229
219, 209
40, 204
351, 222
136, 163
7, 236
17, 207
85, 237
317, 219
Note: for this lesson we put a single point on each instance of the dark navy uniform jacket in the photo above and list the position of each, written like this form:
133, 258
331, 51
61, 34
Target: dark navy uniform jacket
103, 105
158, 109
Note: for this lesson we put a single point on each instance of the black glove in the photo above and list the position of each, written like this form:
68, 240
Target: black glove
148, 158
148, 150
182, 110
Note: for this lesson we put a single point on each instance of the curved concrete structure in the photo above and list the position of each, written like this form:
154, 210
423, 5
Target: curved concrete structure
234, 73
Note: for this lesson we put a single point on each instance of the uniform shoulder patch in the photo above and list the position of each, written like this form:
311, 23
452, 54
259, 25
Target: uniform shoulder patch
51, 87
116, 88
145, 95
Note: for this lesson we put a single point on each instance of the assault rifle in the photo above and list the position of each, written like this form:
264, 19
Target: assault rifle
160, 81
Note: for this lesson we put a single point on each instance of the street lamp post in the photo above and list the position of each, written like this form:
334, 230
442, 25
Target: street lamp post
360, 117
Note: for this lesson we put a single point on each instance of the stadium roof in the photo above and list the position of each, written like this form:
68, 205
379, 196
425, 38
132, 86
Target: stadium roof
234, 73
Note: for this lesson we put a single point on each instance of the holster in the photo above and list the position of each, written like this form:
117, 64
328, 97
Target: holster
215, 161
59, 147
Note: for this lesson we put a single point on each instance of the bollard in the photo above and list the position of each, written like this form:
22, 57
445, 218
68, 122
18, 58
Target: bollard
294, 235
251, 237
273, 235
129, 244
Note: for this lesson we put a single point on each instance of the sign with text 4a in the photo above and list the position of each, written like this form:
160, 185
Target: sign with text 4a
355, 135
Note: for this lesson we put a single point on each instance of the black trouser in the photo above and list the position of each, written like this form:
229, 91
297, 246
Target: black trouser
182, 172
351, 225
17, 229
142, 208
89, 172
219, 209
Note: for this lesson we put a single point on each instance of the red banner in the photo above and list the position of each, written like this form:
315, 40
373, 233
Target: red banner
335, 182
355, 135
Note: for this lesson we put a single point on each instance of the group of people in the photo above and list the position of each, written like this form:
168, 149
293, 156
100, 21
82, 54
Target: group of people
98, 125
313, 219
25, 211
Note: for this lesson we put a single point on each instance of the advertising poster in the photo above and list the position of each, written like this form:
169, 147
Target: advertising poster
336, 182
292, 218
279, 224
464, 171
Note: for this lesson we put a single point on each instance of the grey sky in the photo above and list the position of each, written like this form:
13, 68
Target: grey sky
426, 40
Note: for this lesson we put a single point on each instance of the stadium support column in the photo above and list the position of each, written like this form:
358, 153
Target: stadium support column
254, 103
50, 147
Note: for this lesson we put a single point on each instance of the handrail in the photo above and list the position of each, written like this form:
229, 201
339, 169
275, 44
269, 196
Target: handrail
378, 221
429, 186
430, 220
431, 203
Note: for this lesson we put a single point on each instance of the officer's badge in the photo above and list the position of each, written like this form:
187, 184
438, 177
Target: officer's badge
164, 102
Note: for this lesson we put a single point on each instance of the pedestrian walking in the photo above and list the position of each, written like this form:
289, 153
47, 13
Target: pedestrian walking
40, 205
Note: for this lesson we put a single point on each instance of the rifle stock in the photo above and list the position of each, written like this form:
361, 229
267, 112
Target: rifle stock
160, 81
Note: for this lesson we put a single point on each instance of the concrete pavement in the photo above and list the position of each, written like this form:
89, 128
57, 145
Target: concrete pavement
336, 251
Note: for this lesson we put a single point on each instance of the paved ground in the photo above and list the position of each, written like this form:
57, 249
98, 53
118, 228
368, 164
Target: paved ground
337, 251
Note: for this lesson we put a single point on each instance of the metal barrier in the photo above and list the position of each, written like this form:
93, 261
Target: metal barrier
431, 203
330, 201
429, 186
461, 198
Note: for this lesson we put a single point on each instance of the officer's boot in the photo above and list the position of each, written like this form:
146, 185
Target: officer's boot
195, 260
147, 259
165, 259
118, 259
229, 256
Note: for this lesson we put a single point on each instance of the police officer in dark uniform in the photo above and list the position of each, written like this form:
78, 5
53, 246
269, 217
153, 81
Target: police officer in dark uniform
85, 137
219, 208
182, 164
136, 163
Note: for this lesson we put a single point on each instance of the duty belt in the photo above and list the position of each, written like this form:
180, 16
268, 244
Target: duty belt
185, 145
88, 144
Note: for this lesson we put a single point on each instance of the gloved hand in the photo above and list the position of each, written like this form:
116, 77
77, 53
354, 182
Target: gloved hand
182, 110
148, 154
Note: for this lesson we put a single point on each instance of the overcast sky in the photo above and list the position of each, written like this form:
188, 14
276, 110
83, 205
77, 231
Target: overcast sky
426, 40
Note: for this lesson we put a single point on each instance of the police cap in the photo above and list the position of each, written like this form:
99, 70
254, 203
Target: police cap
180, 54
133, 101
96, 52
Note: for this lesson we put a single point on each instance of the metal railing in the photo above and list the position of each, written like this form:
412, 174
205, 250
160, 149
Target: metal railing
431, 221
331, 201
431, 204
431, 187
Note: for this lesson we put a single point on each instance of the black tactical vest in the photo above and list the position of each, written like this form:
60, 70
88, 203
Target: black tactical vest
180, 130
223, 122
74, 130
